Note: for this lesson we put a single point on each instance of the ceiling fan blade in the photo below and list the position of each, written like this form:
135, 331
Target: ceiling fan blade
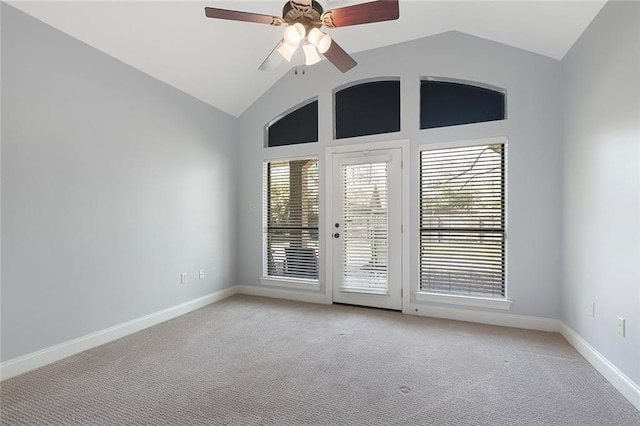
364, 13
273, 60
235, 15
338, 57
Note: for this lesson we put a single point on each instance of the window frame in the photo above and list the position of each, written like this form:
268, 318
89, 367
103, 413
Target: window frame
459, 299
278, 280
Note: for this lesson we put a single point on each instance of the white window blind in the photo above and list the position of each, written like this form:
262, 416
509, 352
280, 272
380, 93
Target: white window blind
365, 228
462, 221
291, 218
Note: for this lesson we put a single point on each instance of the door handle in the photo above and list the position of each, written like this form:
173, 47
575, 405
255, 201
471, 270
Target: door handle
336, 235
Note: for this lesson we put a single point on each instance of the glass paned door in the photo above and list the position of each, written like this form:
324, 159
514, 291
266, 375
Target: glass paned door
366, 233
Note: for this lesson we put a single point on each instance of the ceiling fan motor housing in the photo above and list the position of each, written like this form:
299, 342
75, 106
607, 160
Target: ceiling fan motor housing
307, 15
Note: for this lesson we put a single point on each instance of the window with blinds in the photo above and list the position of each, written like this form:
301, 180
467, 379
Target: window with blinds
291, 218
462, 221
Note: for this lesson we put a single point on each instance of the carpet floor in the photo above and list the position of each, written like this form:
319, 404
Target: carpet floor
257, 361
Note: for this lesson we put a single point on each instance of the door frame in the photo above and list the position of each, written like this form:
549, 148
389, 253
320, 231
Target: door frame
327, 210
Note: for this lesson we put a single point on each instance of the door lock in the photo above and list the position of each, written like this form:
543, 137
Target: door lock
336, 235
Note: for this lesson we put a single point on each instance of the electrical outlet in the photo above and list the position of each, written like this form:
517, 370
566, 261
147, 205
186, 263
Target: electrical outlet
621, 330
183, 278
202, 274
592, 309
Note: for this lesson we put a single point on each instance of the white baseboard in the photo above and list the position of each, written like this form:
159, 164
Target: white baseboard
57, 352
622, 383
277, 293
25, 363
485, 317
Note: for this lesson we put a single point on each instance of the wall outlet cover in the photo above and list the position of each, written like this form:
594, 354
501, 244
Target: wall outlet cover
621, 330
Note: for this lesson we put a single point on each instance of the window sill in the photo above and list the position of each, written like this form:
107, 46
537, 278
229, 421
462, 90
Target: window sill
297, 283
478, 302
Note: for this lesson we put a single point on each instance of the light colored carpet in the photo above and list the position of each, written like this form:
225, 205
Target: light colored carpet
254, 361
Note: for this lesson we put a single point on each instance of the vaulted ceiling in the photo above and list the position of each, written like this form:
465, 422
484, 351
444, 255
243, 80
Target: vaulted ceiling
217, 61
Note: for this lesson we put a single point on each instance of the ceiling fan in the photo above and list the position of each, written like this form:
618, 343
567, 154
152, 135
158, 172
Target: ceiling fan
303, 19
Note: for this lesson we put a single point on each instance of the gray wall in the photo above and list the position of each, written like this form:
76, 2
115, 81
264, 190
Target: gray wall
533, 128
602, 184
113, 183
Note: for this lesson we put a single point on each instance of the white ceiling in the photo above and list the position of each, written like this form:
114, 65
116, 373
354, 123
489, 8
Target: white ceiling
216, 61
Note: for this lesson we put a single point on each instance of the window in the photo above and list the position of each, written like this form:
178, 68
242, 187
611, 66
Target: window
462, 220
367, 109
446, 103
297, 126
291, 218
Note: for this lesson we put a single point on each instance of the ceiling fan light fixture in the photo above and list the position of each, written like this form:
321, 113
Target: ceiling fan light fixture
294, 34
302, 20
287, 51
320, 40
311, 55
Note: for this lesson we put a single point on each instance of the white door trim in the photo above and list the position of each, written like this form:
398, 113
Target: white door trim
404, 145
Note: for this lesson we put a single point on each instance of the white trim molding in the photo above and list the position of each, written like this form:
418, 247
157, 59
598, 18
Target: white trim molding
619, 380
464, 143
624, 385
281, 293
297, 283
25, 363
28, 362
485, 317
451, 299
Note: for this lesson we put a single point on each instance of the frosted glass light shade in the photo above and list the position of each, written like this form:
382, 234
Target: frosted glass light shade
287, 51
294, 34
311, 55
320, 40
